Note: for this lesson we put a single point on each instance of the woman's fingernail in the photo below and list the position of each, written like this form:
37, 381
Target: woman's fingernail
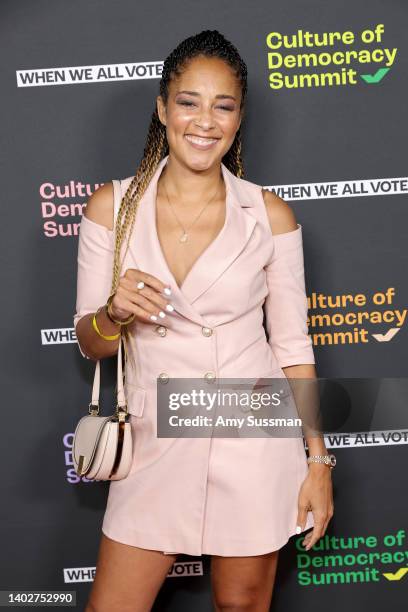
170, 307
153, 317
298, 529
167, 290
162, 314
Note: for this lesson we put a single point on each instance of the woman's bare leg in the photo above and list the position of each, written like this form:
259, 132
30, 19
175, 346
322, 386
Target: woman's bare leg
243, 583
127, 578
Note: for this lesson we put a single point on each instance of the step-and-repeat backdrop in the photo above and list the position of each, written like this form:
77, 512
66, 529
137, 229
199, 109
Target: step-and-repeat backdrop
326, 129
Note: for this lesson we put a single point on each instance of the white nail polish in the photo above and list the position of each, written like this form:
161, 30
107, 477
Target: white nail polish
140, 285
167, 290
170, 307
162, 314
298, 529
153, 317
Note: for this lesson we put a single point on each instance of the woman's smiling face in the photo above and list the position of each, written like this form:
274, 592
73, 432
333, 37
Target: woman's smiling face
203, 112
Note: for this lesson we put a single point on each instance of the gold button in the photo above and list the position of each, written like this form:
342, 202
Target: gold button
161, 330
206, 331
163, 377
209, 376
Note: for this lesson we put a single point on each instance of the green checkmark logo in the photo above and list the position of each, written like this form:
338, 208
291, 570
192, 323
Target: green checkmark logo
376, 77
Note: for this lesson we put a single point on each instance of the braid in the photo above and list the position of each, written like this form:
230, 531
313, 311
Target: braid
232, 159
155, 149
209, 43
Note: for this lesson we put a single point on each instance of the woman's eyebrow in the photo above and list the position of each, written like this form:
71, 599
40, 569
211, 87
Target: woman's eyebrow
195, 93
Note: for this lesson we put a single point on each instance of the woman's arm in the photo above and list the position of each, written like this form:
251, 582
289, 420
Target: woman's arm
95, 268
95, 265
286, 316
286, 309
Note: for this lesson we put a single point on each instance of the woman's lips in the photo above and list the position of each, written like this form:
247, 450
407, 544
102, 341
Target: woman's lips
201, 143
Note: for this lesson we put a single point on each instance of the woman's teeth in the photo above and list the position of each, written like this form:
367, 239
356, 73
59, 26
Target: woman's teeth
201, 142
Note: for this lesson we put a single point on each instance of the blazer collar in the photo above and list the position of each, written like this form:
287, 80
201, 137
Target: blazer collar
217, 257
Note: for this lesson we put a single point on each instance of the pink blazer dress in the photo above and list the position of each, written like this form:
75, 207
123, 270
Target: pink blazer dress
222, 496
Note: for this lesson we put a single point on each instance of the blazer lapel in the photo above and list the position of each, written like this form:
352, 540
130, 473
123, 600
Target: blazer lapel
226, 247
147, 253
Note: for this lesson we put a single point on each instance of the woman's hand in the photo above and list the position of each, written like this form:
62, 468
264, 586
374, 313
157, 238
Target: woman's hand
316, 494
142, 294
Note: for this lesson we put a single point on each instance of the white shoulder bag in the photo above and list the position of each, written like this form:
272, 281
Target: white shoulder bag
102, 447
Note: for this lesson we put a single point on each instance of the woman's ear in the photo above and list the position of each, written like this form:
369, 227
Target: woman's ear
161, 110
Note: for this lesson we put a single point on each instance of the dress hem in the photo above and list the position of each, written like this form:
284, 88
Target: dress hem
142, 541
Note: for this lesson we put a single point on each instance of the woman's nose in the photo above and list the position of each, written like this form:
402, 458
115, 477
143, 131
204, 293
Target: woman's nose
204, 120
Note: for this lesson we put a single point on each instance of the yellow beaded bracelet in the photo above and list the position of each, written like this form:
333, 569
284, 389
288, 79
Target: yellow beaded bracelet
98, 331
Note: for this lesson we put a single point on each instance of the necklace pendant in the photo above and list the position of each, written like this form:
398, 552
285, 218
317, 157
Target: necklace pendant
183, 237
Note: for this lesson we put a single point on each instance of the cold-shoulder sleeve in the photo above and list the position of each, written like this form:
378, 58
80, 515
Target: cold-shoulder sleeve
286, 306
94, 272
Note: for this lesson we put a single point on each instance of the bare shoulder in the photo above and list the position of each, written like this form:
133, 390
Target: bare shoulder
99, 207
280, 213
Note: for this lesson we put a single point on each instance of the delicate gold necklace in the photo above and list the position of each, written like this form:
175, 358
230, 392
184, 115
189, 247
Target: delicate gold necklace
185, 236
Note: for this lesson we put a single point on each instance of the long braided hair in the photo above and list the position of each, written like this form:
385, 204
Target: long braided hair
209, 43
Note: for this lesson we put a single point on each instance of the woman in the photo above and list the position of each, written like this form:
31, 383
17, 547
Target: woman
206, 254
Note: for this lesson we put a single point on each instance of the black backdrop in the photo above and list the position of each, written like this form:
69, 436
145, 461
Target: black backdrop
64, 126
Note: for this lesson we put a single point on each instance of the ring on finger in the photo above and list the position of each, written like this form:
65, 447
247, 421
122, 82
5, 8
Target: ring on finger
140, 285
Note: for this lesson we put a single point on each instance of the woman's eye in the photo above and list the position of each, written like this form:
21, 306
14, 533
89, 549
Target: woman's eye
188, 103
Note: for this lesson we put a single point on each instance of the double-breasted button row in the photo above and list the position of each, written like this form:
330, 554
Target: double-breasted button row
209, 376
162, 331
163, 377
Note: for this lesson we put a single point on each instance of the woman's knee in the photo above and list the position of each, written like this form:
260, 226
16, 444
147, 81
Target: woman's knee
239, 599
